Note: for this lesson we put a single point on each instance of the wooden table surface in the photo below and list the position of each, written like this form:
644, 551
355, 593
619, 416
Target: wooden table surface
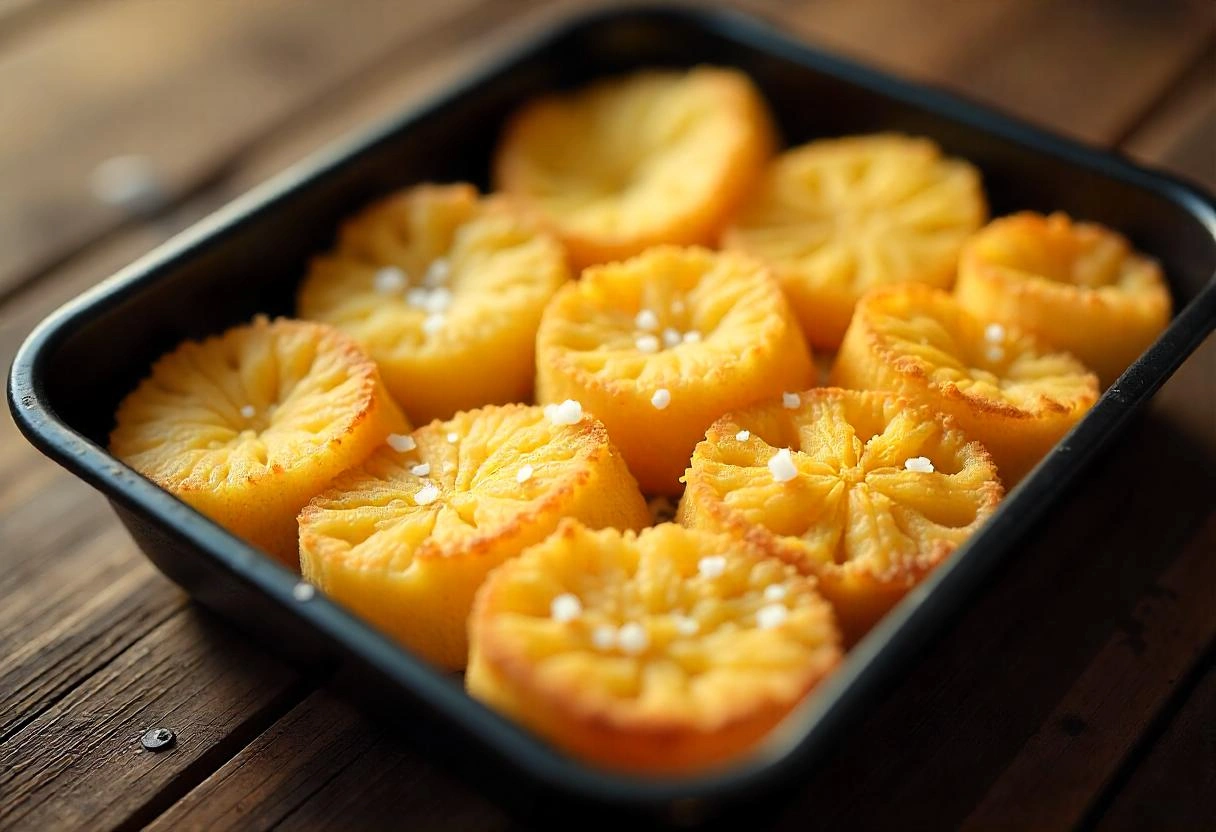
1079, 690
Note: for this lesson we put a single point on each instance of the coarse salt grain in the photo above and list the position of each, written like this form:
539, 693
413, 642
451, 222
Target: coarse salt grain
438, 300
433, 323
632, 638
524, 474
994, 332
401, 442
743, 435
647, 343
781, 466
774, 592
426, 495
437, 272
790, 401
421, 469
692, 337
565, 607
995, 352
647, 320
671, 337
771, 615
248, 411
919, 464
417, 296
687, 626
453, 437
661, 398
303, 591
712, 566
604, 637
389, 281
569, 412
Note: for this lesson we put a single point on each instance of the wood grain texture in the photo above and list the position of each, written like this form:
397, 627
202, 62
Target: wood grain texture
92, 639
80, 765
1090, 69
325, 766
1064, 764
1180, 136
185, 85
1174, 787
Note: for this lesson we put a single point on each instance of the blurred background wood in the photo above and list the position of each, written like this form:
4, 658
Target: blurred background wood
1077, 691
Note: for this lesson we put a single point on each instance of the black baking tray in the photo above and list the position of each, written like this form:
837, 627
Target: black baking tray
71, 372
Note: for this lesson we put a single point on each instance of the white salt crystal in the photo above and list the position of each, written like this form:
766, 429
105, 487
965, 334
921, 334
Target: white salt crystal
743, 435
647, 343
603, 637
421, 469
389, 281
771, 615
661, 398
401, 442
426, 495
712, 566
671, 337
433, 323
569, 412
919, 464
565, 607
632, 638
647, 321
248, 411
524, 474
438, 300
790, 401
774, 592
781, 466
687, 626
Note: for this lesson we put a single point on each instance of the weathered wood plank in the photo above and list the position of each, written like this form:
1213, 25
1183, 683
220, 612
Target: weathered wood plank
1175, 786
325, 766
1065, 763
1090, 69
75, 592
184, 85
79, 765
93, 601
1181, 135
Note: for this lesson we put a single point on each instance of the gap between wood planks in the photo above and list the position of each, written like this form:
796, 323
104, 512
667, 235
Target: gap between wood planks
1159, 792
119, 249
